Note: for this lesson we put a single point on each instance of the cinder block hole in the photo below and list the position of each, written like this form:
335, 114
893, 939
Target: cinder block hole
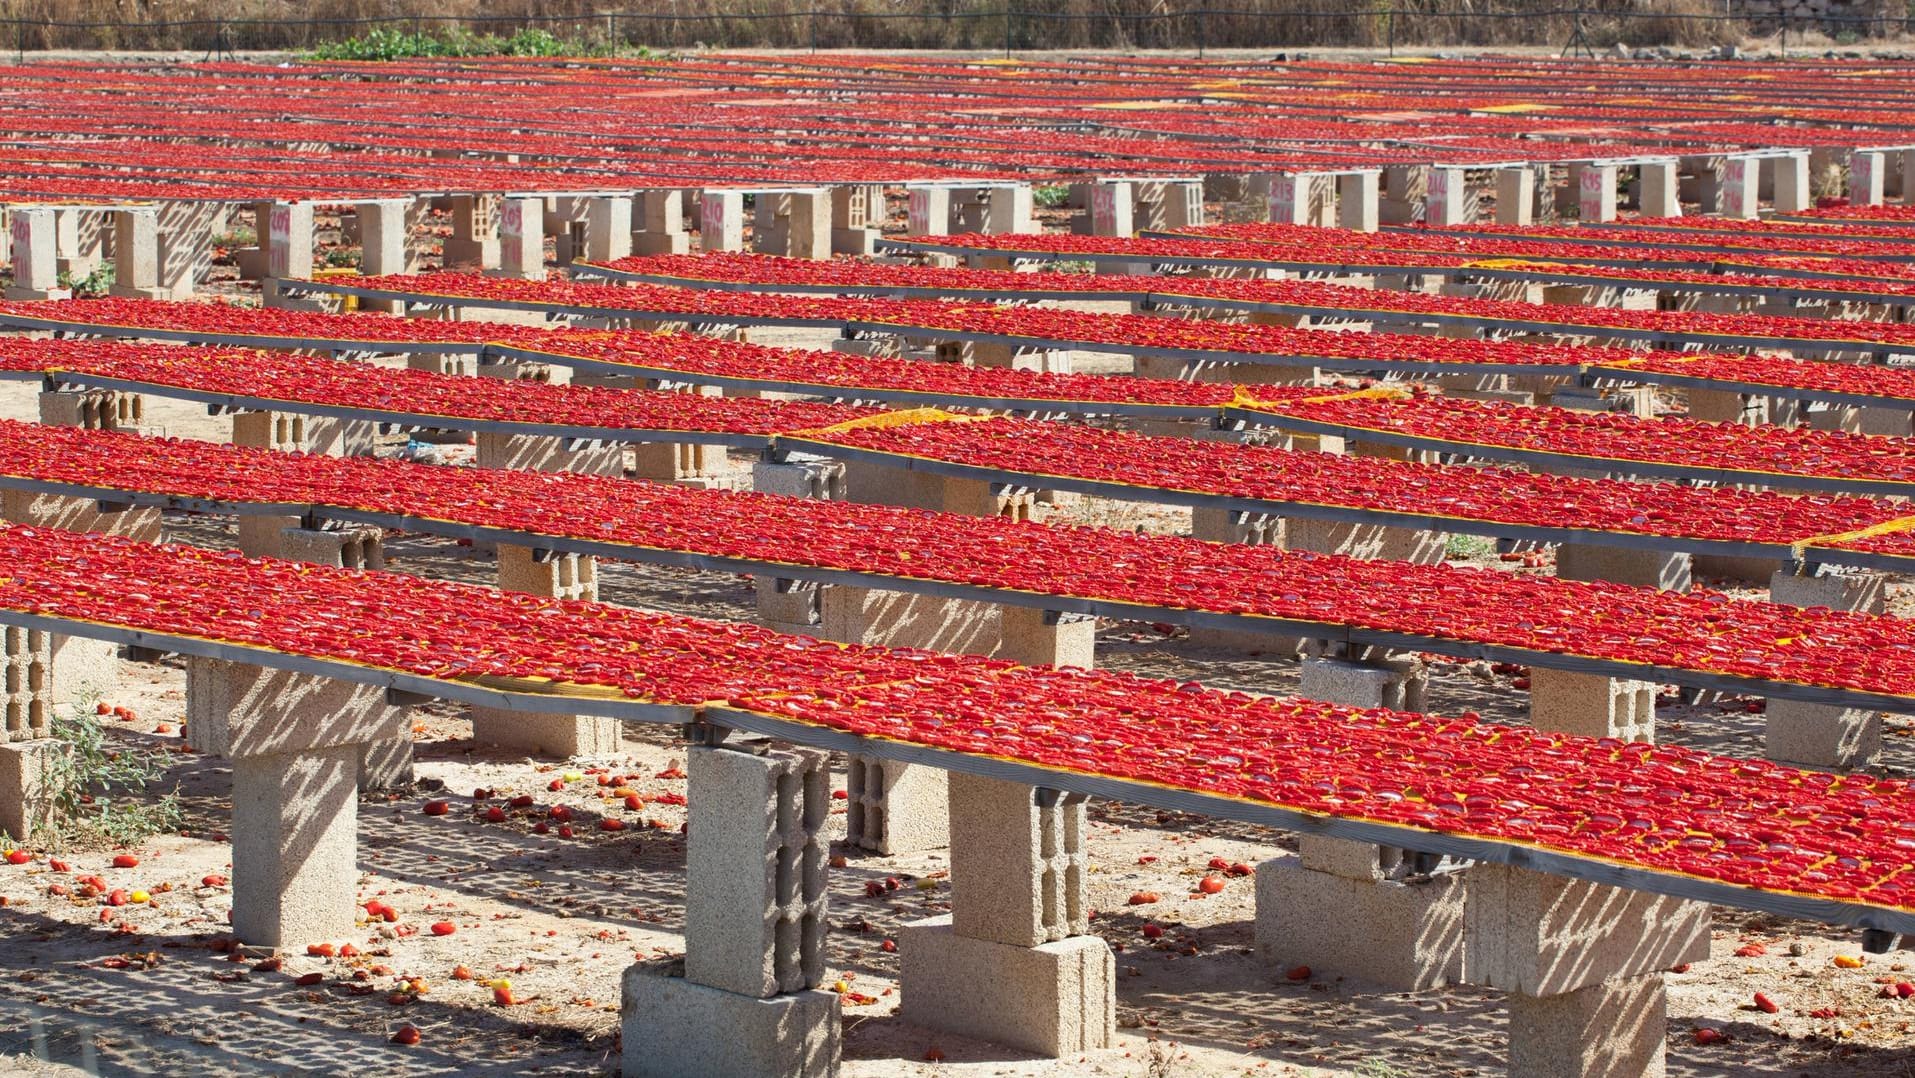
36, 677
817, 803
785, 885
788, 794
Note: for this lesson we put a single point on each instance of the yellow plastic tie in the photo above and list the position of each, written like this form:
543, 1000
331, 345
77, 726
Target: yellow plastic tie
1886, 527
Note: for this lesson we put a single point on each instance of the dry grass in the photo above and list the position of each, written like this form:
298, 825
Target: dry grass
875, 24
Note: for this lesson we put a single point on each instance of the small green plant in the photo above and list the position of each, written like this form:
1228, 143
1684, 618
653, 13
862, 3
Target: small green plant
1050, 196
1073, 265
101, 791
385, 44
1469, 546
343, 257
238, 237
1376, 1068
95, 283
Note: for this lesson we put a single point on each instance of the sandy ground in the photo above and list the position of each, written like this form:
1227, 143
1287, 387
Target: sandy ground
151, 988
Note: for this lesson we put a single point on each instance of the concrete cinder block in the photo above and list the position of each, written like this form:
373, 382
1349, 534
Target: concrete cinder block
1055, 999
927, 210
259, 536
94, 409
608, 227
1035, 637
1399, 685
1406, 937
341, 437
474, 243
1670, 571
816, 478
896, 808
1545, 935
141, 524
546, 733
1792, 193
1232, 526
29, 683
354, 546
543, 454
25, 804
721, 217
1515, 196
288, 238
1819, 735
1017, 862
1860, 592
521, 238
283, 432
1612, 1030
673, 1027
136, 254
294, 816
1351, 860
83, 670
676, 462
755, 860
789, 602
1822, 736
36, 271
549, 573
238, 709
854, 615
1367, 541
1359, 200
1591, 705
1658, 193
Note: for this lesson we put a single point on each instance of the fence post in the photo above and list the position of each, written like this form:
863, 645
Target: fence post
811, 24
1200, 35
1007, 30
1784, 18
1390, 24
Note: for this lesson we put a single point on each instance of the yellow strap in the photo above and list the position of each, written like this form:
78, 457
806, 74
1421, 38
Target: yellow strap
906, 417
1886, 527
1514, 263
1245, 397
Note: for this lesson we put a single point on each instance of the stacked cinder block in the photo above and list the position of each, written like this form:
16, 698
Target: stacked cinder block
1360, 911
298, 746
792, 222
287, 239
474, 243
1357, 909
1019, 922
36, 271
1826, 736
721, 220
1583, 966
553, 575
658, 222
24, 743
223, 696
521, 238
744, 1001
857, 218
